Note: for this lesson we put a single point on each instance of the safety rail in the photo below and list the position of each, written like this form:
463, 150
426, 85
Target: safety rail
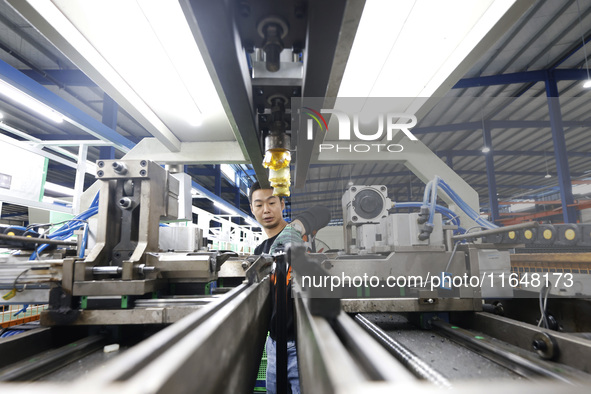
13, 315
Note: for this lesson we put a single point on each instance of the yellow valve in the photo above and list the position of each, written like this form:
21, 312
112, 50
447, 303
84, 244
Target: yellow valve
10, 233
277, 161
570, 234
280, 181
547, 234
528, 234
512, 235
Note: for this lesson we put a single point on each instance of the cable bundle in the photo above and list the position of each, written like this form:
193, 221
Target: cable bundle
67, 230
429, 207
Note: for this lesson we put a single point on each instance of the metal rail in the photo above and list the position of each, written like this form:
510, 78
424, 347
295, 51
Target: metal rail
527, 367
39, 241
42, 364
410, 360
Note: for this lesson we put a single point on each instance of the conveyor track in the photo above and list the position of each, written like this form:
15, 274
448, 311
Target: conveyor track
448, 353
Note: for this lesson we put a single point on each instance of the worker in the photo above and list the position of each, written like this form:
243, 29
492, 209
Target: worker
268, 211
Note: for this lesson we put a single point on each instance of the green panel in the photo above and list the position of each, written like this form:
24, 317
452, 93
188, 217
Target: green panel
58, 217
43, 178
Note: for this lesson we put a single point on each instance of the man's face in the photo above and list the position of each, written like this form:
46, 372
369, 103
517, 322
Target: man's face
267, 208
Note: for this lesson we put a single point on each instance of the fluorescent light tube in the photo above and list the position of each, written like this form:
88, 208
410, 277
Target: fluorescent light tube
224, 208
52, 187
20, 97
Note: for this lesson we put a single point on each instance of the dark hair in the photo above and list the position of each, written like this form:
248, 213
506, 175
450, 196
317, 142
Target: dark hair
257, 186
253, 188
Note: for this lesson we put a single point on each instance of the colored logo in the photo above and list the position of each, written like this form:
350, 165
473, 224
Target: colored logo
317, 117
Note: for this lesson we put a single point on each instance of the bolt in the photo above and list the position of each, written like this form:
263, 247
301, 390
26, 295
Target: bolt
273, 46
101, 164
125, 203
143, 163
143, 172
119, 168
539, 345
354, 218
100, 173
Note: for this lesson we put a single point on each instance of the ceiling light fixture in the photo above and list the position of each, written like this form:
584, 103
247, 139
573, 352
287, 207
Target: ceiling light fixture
546, 161
486, 147
224, 208
399, 27
587, 83
54, 187
147, 60
22, 98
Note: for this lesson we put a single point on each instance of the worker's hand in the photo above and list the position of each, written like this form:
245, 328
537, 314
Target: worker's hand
312, 220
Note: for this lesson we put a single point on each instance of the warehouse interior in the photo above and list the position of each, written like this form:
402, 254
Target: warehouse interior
132, 131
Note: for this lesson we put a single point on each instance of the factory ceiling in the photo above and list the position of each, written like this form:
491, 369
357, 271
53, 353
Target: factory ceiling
119, 75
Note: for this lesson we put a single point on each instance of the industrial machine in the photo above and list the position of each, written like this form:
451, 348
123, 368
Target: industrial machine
355, 309
413, 301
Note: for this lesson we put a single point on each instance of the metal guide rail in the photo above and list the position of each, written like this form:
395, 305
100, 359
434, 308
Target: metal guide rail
216, 349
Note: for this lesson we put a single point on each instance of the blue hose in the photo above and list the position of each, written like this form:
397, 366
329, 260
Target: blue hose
67, 230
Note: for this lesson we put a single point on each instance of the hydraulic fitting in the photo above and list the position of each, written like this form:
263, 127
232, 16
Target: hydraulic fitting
273, 29
423, 214
426, 232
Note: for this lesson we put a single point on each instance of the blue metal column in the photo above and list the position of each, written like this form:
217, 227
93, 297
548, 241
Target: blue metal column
449, 159
110, 109
569, 212
493, 201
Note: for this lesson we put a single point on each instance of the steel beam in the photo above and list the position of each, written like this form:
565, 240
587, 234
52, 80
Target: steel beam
212, 25
66, 77
465, 152
73, 114
110, 110
495, 124
560, 153
325, 57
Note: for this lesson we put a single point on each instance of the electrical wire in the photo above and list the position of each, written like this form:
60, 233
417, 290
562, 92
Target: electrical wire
543, 303
67, 230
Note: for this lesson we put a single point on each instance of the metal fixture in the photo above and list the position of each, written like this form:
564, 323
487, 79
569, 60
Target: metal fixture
273, 29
